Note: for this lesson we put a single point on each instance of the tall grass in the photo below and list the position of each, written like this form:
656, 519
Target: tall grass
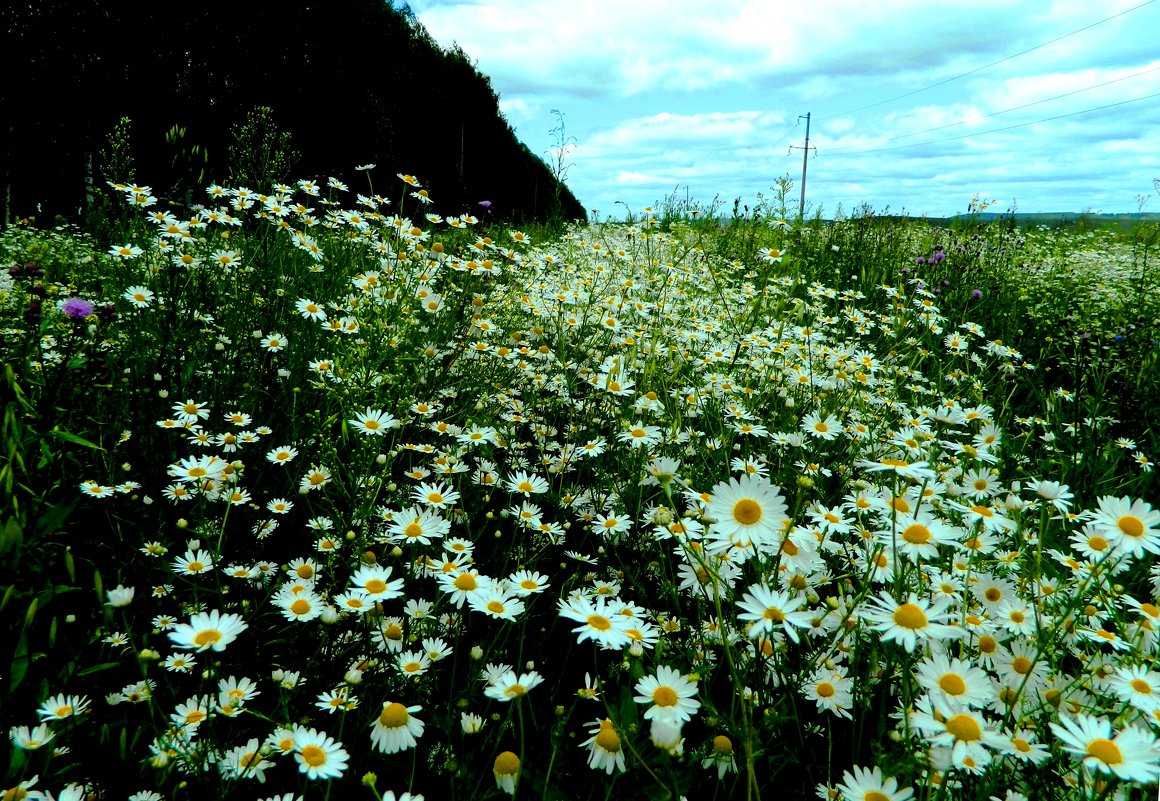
669, 507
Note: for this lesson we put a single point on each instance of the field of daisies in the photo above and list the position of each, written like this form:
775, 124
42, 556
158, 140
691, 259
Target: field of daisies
315, 494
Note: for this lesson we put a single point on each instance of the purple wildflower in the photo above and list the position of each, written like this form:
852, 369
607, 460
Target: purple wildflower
76, 308
976, 293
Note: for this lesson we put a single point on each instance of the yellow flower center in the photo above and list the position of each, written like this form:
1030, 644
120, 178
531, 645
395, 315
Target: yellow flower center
747, 511
465, 582
1021, 745
1097, 543
988, 644
207, 637
1021, 665
300, 607
722, 745
964, 727
916, 534
874, 795
664, 696
313, 756
599, 622
507, 764
910, 616
375, 586
516, 690
824, 689
394, 632
774, 614
393, 716
607, 738
1131, 525
1141, 686
1105, 751
413, 530
495, 606
952, 684
304, 571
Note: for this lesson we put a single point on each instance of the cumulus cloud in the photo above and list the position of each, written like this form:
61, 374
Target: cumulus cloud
908, 99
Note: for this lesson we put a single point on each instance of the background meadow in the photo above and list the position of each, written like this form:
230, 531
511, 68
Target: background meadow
314, 492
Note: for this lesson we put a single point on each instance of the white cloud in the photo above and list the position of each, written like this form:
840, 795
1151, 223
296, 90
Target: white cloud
665, 92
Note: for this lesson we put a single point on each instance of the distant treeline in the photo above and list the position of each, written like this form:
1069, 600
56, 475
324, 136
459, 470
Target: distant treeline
352, 81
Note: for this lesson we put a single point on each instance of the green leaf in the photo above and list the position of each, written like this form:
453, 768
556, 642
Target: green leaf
74, 439
55, 516
97, 668
20, 662
11, 537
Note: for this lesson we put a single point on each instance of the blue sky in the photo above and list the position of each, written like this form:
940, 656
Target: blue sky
704, 98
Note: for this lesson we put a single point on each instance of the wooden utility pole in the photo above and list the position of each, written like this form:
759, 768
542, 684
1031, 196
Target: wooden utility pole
805, 159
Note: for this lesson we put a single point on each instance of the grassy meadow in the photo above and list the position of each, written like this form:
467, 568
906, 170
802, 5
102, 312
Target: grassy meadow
316, 494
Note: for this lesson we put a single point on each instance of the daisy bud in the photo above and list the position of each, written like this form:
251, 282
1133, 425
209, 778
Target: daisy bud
789, 402
163, 393
381, 458
353, 676
121, 596
329, 615
476, 652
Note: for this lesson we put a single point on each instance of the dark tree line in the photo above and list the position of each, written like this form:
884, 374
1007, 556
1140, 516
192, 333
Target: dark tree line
353, 81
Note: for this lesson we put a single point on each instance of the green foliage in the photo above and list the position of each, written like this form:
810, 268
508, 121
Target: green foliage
189, 164
261, 155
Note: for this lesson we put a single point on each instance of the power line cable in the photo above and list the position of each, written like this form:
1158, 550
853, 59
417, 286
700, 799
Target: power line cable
995, 63
855, 152
1020, 108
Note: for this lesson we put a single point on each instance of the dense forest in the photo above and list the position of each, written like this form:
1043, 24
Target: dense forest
352, 81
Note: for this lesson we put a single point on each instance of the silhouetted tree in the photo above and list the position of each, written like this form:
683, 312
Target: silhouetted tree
352, 82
